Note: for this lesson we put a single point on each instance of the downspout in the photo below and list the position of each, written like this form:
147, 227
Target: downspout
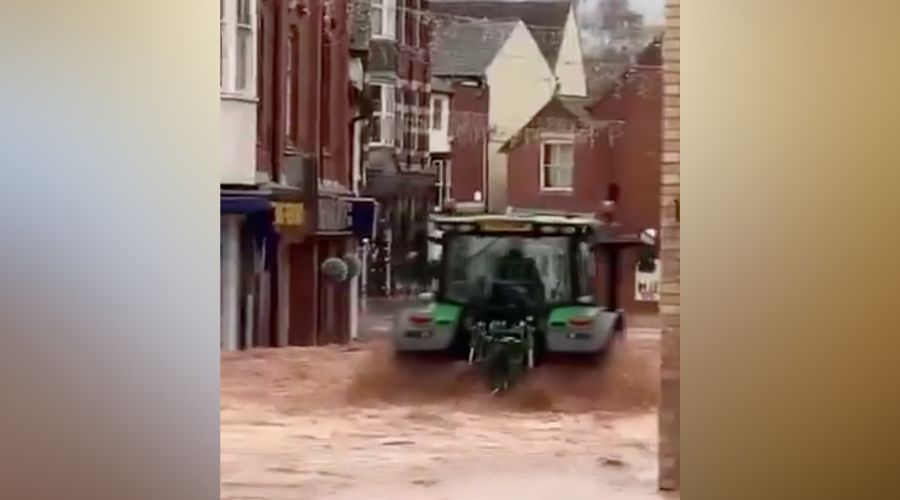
485, 163
320, 34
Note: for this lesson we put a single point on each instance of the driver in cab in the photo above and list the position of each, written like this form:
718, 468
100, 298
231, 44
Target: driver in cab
516, 267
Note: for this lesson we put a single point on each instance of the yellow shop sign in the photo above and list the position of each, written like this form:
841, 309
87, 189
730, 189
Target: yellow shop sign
289, 214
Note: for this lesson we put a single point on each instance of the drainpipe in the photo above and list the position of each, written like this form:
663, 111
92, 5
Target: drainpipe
485, 166
320, 85
320, 45
485, 161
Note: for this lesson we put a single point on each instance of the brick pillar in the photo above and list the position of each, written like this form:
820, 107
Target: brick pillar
670, 298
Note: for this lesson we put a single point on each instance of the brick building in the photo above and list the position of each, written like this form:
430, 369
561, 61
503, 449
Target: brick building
398, 172
575, 154
298, 193
469, 127
246, 222
524, 52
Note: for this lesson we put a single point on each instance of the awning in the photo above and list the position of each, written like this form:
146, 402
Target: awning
258, 210
244, 205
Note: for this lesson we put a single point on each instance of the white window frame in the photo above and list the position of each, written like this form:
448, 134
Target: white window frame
557, 141
445, 105
402, 18
387, 115
416, 17
388, 9
401, 117
229, 28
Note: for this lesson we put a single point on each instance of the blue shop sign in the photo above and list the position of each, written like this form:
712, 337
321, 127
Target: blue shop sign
363, 214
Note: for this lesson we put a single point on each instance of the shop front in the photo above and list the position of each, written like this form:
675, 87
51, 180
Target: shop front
248, 243
344, 226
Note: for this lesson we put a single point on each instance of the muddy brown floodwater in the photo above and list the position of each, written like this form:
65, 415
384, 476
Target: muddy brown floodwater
354, 422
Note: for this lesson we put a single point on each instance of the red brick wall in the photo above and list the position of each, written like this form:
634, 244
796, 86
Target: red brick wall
314, 107
303, 307
638, 150
335, 95
637, 147
468, 124
592, 167
414, 75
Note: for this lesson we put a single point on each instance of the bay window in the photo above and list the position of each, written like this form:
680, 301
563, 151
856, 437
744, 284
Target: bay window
237, 47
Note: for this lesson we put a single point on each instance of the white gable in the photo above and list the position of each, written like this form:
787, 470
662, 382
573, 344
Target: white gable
521, 83
570, 63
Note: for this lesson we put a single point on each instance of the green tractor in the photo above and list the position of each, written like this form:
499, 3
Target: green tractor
513, 288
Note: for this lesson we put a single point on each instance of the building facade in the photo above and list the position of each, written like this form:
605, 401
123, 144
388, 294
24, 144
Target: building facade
526, 51
245, 213
460, 131
291, 217
469, 129
439, 139
600, 158
397, 169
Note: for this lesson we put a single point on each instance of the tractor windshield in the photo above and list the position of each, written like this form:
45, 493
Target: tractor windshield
474, 263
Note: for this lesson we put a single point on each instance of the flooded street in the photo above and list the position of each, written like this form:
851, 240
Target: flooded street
352, 422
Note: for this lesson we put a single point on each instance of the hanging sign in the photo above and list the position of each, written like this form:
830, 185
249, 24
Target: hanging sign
334, 214
646, 284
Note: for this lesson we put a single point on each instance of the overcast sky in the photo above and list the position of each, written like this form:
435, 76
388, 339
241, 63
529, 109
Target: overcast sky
651, 9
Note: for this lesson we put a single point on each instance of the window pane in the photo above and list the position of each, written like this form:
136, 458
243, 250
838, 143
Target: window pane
289, 86
375, 131
387, 129
548, 154
401, 24
564, 177
566, 154
244, 13
555, 177
390, 19
401, 117
376, 97
377, 25
244, 54
222, 59
437, 117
